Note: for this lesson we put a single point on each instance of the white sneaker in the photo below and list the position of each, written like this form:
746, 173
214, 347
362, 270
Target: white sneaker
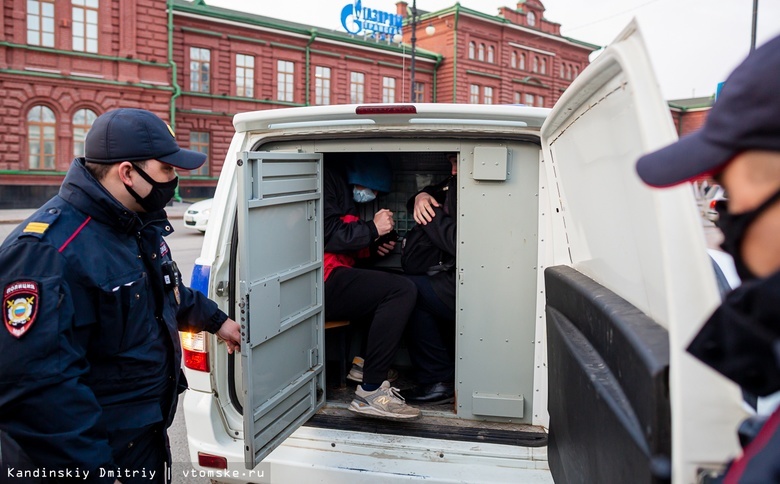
385, 402
356, 372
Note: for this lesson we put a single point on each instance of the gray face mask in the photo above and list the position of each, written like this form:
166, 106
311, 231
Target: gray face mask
363, 195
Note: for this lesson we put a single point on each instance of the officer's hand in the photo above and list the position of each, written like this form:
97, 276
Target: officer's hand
423, 208
385, 248
383, 220
230, 332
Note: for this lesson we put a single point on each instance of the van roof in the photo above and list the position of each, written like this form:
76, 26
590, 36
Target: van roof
391, 114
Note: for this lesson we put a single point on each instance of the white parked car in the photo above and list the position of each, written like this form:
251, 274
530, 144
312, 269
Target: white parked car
573, 314
197, 215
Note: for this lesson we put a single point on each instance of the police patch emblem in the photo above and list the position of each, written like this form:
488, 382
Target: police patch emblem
20, 306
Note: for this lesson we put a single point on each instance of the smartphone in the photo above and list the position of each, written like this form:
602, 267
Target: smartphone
391, 236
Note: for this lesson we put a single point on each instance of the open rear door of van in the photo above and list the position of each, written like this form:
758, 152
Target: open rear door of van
279, 295
628, 284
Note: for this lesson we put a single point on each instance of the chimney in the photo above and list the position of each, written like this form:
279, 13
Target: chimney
400, 8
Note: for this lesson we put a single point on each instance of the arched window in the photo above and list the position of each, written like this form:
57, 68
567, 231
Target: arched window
576, 72
514, 60
522, 61
481, 52
531, 19
472, 49
563, 69
491, 54
536, 64
82, 121
544, 66
41, 138
568, 71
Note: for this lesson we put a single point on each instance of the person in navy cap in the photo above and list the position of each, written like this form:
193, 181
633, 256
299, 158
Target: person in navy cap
740, 146
90, 358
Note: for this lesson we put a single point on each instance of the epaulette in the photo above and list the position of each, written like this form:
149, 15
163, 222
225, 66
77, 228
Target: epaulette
38, 225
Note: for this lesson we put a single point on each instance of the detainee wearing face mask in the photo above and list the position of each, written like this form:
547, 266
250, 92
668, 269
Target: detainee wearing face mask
740, 146
363, 295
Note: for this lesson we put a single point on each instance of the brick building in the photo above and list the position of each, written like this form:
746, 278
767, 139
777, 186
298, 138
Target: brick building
64, 62
690, 114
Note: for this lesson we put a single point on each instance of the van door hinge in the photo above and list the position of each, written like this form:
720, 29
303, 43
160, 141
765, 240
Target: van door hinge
222, 289
314, 357
310, 210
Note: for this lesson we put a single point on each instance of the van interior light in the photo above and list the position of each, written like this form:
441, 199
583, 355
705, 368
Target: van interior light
196, 356
387, 109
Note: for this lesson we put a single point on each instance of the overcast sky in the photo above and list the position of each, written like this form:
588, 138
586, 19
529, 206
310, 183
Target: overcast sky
693, 44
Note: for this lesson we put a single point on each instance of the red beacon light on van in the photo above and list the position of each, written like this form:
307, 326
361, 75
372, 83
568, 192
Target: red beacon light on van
387, 109
196, 356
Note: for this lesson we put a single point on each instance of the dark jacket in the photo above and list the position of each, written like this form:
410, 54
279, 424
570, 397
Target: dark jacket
101, 352
740, 340
346, 235
442, 231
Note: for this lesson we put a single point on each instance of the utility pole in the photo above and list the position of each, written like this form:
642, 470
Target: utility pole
752, 33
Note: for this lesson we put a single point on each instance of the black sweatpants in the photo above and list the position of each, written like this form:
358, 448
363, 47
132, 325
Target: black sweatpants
431, 335
384, 299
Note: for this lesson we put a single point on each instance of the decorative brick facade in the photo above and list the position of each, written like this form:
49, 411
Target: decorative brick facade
181, 60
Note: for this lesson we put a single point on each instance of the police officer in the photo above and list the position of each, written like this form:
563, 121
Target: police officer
740, 145
92, 305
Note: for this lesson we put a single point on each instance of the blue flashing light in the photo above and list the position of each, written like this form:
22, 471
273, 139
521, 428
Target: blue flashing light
200, 278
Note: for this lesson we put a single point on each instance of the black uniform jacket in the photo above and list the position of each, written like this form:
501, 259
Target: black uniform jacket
442, 231
347, 236
91, 307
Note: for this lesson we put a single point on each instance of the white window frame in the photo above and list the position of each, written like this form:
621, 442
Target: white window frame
322, 85
357, 87
245, 75
40, 23
388, 89
285, 80
84, 25
200, 69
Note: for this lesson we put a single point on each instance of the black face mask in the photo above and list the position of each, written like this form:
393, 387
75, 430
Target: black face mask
734, 226
161, 193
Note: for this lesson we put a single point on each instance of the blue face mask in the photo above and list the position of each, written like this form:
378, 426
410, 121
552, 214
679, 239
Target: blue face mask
364, 195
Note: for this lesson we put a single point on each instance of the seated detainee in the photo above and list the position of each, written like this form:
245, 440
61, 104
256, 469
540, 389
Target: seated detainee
363, 294
431, 328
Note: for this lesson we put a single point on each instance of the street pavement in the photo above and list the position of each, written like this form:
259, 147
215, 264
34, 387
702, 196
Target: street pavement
18, 215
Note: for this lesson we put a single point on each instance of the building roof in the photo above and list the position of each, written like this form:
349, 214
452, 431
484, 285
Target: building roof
200, 7
499, 19
692, 103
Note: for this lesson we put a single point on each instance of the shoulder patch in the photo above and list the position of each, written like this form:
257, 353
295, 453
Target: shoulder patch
20, 306
163, 248
40, 223
35, 228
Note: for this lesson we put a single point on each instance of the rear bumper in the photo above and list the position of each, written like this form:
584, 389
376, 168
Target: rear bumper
335, 456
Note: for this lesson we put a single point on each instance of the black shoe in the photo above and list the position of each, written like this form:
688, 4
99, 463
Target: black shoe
440, 392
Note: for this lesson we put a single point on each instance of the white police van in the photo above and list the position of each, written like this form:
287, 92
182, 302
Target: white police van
578, 289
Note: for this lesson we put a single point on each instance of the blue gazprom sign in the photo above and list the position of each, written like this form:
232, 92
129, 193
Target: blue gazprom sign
356, 20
